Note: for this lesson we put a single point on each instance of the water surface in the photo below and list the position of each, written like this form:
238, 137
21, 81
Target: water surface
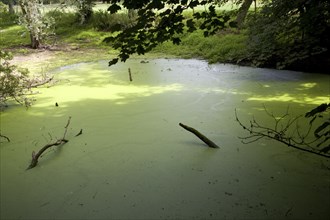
133, 161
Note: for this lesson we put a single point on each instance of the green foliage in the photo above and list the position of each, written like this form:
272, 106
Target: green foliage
286, 32
3, 8
222, 47
161, 21
65, 24
6, 18
68, 30
13, 36
14, 82
38, 25
104, 21
84, 9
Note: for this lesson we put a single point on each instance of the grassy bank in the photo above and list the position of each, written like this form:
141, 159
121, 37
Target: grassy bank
223, 47
73, 42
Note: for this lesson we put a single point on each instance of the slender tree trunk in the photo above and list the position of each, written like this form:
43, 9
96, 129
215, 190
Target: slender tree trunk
28, 9
35, 43
11, 7
242, 12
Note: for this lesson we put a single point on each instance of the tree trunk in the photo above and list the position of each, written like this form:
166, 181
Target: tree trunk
11, 7
31, 13
35, 43
242, 12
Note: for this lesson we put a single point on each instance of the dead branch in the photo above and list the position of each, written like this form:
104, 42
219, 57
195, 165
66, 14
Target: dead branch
5, 137
35, 83
258, 132
200, 136
35, 156
80, 133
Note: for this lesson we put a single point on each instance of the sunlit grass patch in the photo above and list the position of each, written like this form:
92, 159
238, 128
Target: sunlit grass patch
13, 36
217, 48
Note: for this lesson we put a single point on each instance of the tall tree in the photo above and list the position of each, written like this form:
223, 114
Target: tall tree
242, 12
35, 22
10, 4
291, 34
84, 9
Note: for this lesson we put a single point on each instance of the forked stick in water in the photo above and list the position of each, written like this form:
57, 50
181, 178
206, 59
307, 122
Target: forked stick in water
63, 140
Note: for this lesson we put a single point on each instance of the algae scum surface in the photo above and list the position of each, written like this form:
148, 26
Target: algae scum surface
133, 160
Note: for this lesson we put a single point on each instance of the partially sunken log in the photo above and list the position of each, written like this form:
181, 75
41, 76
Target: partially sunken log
200, 136
130, 75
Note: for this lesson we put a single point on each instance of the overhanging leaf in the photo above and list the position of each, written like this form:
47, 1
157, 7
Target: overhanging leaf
176, 40
114, 8
113, 61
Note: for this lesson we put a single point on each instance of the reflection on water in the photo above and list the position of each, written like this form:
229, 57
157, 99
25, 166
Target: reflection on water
133, 161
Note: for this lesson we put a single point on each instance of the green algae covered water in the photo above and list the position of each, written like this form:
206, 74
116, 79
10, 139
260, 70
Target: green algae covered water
133, 160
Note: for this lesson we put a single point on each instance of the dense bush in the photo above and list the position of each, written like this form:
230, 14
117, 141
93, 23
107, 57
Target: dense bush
6, 18
104, 21
14, 82
288, 32
36, 23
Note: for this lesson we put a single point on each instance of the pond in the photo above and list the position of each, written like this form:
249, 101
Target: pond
134, 161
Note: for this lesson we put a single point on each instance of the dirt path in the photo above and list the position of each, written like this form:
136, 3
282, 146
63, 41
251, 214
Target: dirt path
43, 60
40, 56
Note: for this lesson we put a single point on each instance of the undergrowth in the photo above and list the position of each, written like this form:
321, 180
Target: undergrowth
227, 46
222, 47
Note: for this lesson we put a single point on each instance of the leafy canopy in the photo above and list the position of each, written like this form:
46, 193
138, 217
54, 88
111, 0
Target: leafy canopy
14, 82
289, 32
162, 20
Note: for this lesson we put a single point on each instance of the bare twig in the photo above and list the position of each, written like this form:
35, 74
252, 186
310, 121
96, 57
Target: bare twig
258, 132
37, 83
66, 127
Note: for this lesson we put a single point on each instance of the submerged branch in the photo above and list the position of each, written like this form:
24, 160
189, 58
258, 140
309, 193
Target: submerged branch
5, 137
130, 75
200, 136
35, 156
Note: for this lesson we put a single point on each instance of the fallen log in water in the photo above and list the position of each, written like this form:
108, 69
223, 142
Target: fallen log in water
200, 136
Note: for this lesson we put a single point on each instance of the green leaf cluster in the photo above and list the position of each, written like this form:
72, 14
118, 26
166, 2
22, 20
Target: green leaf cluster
287, 33
160, 21
14, 82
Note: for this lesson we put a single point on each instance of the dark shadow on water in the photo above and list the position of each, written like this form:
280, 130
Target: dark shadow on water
196, 143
